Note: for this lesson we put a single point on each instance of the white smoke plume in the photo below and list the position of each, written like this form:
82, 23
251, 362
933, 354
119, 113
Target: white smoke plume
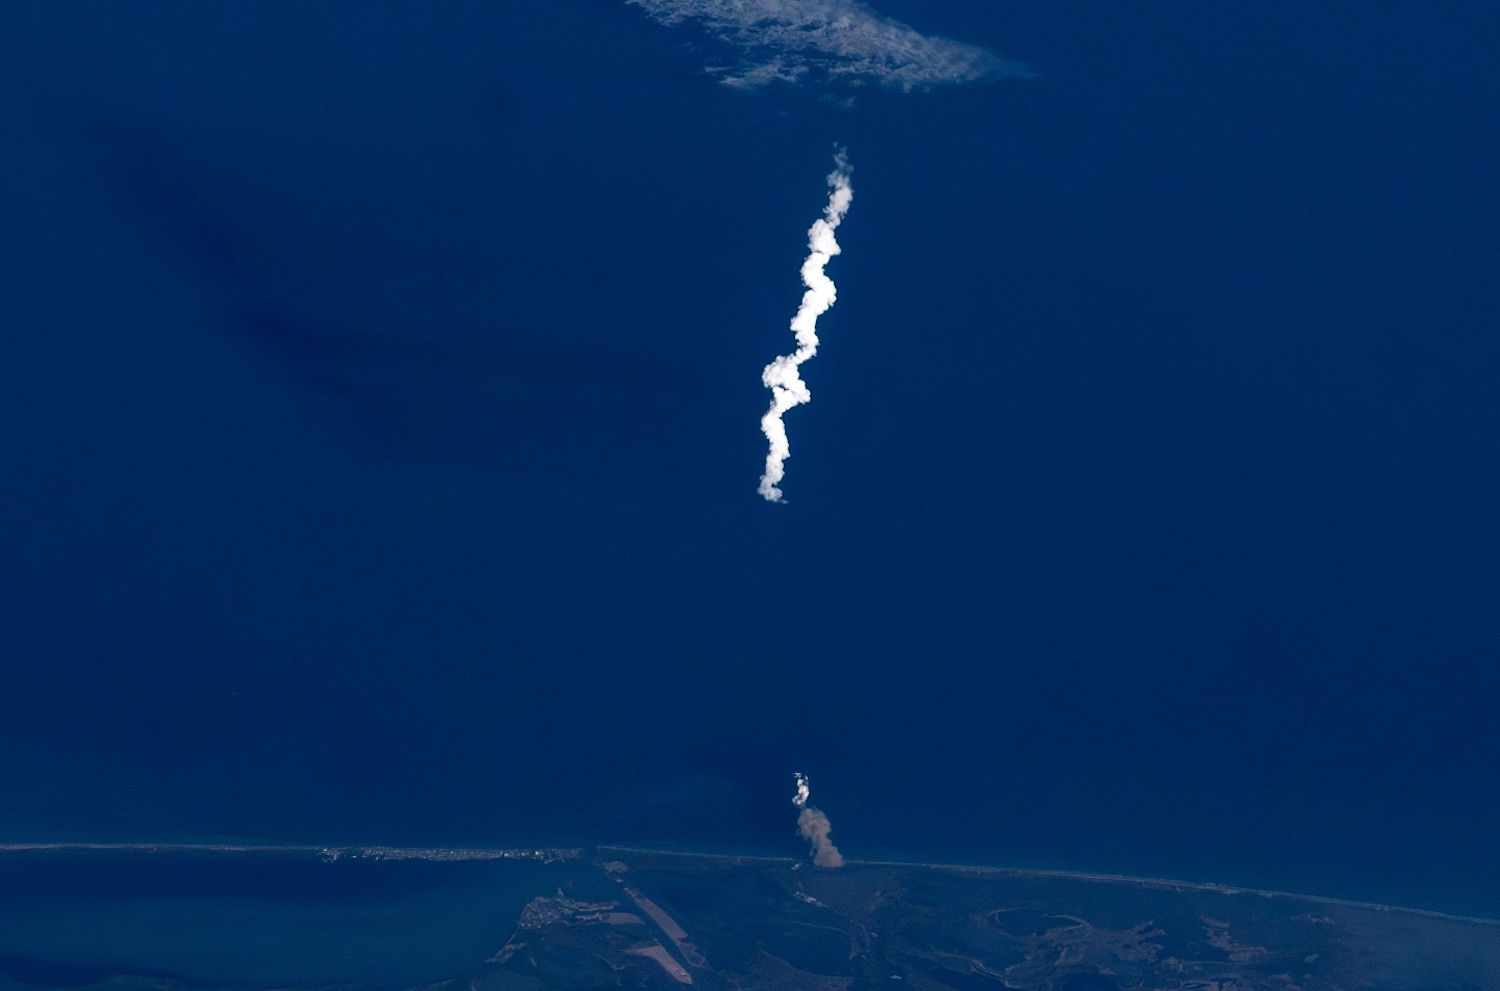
781, 376
814, 827
789, 40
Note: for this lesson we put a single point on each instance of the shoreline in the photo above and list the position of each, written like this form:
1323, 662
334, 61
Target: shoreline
334, 852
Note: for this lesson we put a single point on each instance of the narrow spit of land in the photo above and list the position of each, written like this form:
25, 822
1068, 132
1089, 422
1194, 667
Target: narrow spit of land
554, 854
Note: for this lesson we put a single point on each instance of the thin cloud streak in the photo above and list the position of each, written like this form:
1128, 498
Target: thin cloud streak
794, 40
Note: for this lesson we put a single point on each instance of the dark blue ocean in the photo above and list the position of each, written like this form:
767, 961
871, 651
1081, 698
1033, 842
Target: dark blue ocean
379, 401
198, 919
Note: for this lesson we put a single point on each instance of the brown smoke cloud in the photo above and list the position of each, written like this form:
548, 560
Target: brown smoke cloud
815, 827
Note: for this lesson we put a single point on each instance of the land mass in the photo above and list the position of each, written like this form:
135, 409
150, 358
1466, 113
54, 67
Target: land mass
617, 917
637, 918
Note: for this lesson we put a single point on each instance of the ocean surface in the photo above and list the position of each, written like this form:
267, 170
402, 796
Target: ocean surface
267, 918
379, 404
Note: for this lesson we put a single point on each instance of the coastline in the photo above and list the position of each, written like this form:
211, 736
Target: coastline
331, 853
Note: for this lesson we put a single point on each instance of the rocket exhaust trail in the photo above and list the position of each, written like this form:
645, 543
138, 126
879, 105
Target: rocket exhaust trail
781, 376
814, 827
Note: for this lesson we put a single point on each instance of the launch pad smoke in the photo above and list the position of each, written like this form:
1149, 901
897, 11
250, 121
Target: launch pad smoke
814, 827
781, 376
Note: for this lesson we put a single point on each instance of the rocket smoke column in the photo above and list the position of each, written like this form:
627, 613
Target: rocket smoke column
780, 376
814, 827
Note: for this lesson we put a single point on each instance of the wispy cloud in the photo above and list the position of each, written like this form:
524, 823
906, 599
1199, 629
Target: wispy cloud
791, 40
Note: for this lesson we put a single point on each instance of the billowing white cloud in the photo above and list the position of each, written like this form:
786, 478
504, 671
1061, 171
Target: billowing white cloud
789, 40
781, 376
